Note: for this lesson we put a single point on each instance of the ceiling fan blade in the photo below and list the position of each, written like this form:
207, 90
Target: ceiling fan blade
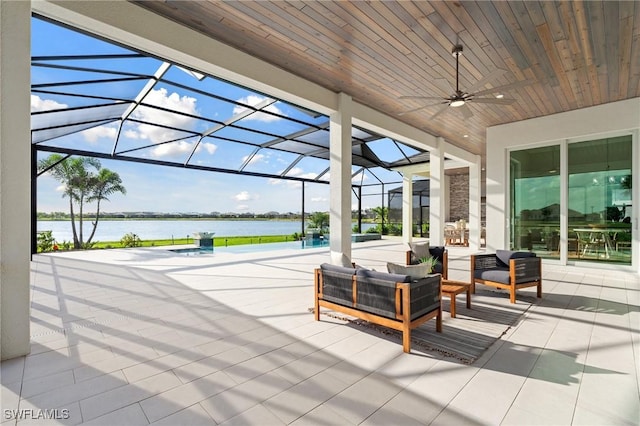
428, 98
491, 76
442, 109
502, 101
466, 111
504, 87
418, 109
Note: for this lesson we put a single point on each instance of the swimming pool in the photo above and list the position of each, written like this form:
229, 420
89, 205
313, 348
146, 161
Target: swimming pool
249, 248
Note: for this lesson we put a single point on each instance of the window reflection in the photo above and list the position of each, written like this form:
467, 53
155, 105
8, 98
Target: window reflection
535, 200
598, 206
599, 223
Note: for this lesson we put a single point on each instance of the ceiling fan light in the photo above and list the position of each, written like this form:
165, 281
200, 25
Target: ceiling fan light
457, 103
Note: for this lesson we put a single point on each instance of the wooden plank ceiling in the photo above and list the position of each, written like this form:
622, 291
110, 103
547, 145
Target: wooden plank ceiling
572, 54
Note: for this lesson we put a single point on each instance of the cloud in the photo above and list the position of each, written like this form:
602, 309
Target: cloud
310, 175
360, 177
181, 149
258, 158
93, 134
173, 102
39, 104
242, 207
209, 147
254, 100
244, 196
132, 134
295, 172
319, 199
174, 149
298, 172
154, 134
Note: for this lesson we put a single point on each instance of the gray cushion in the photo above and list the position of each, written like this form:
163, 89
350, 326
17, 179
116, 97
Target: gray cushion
414, 271
337, 268
499, 275
504, 256
395, 278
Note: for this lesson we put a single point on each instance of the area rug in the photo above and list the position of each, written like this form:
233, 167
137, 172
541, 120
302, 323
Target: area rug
464, 338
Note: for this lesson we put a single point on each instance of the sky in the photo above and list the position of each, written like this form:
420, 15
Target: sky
172, 189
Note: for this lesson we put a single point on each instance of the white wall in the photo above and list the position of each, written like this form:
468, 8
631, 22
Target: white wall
588, 123
15, 177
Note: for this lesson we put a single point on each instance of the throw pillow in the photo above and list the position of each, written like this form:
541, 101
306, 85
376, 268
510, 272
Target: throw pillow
420, 250
414, 271
437, 252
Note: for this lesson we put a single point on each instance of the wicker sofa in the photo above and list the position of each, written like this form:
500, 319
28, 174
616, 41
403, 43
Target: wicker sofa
508, 270
391, 300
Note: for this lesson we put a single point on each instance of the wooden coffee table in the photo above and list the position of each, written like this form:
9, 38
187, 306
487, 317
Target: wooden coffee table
452, 289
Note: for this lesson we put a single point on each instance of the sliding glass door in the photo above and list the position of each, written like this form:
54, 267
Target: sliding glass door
599, 215
535, 200
598, 209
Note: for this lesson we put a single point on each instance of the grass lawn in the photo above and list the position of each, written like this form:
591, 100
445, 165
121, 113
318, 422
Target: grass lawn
217, 242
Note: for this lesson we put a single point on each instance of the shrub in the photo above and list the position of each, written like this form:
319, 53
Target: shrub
395, 229
45, 241
89, 245
131, 240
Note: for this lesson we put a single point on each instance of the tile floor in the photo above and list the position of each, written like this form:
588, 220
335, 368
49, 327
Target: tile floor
140, 336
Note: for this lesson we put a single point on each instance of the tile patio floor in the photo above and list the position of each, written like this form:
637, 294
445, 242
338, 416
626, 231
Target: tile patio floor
139, 336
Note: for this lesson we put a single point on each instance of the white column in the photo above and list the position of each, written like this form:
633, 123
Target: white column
497, 187
564, 206
15, 175
635, 197
436, 195
340, 181
475, 194
407, 207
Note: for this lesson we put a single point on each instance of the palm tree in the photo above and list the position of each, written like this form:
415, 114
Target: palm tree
81, 185
320, 221
105, 184
381, 215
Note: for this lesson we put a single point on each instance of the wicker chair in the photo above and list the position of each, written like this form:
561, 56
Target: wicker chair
419, 250
509, 270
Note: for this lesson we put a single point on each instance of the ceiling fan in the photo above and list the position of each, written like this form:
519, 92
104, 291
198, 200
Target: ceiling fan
460, 99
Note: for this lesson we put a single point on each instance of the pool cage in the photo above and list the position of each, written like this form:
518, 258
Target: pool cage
420, 208
99, 99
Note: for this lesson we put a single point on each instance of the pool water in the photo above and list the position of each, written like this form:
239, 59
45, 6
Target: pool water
193, 250
249, 248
